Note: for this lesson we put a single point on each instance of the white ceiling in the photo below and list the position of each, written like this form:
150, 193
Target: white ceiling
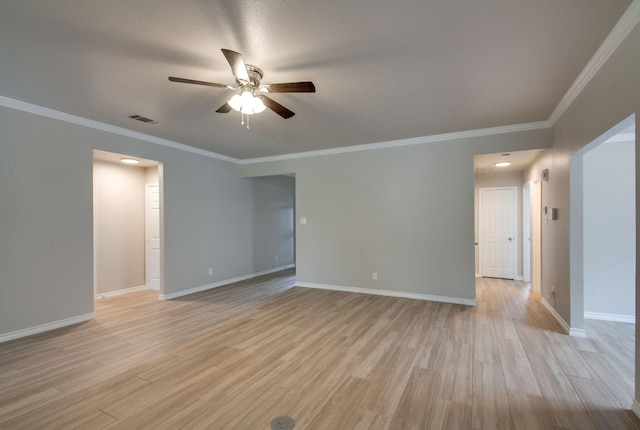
383, 70
520, 160
117, 158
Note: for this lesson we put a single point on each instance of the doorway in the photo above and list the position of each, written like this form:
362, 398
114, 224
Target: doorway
126, 210
585, 230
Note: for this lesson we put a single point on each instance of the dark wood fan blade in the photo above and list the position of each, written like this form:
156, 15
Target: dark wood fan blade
191, 81
277, 107
238, 67
292, 87
225, 108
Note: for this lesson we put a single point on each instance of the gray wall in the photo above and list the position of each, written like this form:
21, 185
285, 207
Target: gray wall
119, 223
273, 200
46, 229
406, 213
609, 229
500, 179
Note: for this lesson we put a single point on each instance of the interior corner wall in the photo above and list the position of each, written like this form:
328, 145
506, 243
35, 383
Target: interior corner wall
405, 213
612, 95
119, 217
609, 230
46, 227
499, 179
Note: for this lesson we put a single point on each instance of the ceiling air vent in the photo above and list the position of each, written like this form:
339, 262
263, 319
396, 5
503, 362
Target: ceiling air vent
143, 119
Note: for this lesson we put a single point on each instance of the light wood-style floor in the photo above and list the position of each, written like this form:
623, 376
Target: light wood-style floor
238, 356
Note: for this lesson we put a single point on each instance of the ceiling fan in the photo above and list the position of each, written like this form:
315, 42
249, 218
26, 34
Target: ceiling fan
251, 95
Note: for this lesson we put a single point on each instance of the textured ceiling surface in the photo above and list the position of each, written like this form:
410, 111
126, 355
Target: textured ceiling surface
383, 70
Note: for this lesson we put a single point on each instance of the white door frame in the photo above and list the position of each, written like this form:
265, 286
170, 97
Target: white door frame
536, 235
515, 226
148, 233
526, 232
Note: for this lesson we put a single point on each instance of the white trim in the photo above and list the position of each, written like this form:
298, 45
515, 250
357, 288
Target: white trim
622, 137
556, 315
46, 327
635, 408
50, 113
194, 290
402, 294
577, 332
74, 119
625, 24
100, 296
526, 232
405, 142
519, 278
610, 317
478, 275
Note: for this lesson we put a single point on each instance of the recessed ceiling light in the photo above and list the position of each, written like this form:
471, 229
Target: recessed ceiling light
503, 164
129, 161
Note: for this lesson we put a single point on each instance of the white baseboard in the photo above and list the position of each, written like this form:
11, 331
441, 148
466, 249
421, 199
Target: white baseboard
478, 275
556, 315
46, 327
100, 296
635, 408
610, 317
194, 290
444, 299
519, 278
577, 332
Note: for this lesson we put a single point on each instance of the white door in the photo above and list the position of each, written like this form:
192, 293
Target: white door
152, 209
497, 232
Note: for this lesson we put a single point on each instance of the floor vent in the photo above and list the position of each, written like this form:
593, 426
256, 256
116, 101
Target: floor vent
283, 423
143, 119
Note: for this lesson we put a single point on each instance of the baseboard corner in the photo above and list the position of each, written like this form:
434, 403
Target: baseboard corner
556, 315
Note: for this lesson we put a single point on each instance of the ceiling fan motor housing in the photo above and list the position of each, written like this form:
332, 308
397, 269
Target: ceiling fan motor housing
255, 75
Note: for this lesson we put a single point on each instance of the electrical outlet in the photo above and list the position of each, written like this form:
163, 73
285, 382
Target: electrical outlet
374, 276
210, 271
553, 291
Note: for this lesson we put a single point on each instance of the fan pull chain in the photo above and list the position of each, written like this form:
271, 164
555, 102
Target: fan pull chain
242, 122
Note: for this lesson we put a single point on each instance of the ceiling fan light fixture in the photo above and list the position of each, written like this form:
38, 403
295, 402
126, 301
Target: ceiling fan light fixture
235, 102
258, 106
246, 103
251, 97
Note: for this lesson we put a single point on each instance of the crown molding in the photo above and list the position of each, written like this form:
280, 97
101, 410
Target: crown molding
405, 142
74, 119
627, 22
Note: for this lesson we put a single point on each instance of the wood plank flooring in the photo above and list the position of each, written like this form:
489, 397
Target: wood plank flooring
239, 356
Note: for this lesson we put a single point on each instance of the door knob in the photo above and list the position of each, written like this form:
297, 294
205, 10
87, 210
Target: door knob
510, 238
